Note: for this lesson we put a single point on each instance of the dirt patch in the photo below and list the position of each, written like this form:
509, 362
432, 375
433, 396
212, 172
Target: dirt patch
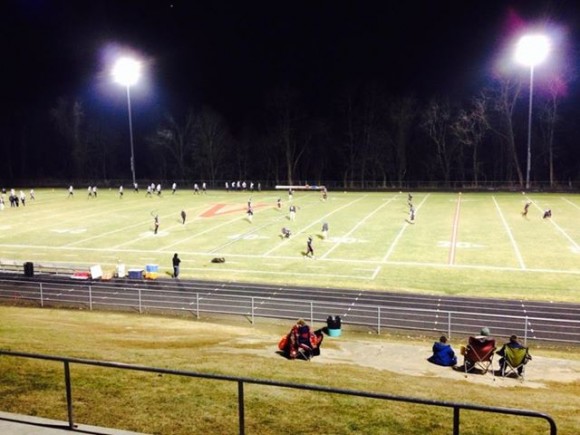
409, 359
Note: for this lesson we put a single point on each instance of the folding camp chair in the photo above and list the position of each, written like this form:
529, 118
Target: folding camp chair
479, 354
514, 361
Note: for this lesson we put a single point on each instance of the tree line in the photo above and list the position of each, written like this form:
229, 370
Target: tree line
366, 136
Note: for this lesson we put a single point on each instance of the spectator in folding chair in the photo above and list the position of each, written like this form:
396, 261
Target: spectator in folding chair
514, 357
301, 342
478, 353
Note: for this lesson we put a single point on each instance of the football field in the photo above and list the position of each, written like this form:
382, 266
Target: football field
472, 244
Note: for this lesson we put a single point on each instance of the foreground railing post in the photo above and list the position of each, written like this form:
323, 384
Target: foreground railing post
241, 419
69, 406
140, 301
91, 298
526, 332
456, 420
311, 312
41, 296
253, 310
379, 321
197, 305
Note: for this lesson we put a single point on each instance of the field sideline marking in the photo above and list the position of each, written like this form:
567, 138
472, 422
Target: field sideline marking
454, 232
510, 234
376, 210
294, 258
400, 234
570, 202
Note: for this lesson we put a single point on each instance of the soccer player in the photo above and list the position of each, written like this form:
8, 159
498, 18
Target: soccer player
412, 214
279, 203
195, 189
290, 194
32, 194
286, 233
90, 191
309, 248
149, 191
227, 187
526, 207
70, 191
204, 188
292, 212
324, 230
547, 214
95, 191
121, 192
136, 187
173, 188
23, 198
183, 216
159, 190
250, 212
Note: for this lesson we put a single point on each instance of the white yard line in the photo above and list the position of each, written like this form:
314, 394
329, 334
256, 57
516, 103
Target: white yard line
510, 235
337, 244
400, 234
454, 232
323, 218
553, 222
571, 203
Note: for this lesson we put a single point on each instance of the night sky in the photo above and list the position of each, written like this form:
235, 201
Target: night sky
230, 54
231, 57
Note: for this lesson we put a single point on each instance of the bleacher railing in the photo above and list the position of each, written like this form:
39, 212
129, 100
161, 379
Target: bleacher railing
241, 382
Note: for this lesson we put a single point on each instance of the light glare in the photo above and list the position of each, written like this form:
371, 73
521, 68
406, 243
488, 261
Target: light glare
532, 49
127, 71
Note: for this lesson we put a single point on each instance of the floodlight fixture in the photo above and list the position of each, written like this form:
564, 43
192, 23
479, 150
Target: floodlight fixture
127, 72
531, 50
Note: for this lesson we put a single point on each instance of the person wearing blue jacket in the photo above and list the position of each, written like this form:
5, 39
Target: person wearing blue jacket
443, 354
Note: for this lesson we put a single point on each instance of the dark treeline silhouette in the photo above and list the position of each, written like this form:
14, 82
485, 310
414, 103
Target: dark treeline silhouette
364, 137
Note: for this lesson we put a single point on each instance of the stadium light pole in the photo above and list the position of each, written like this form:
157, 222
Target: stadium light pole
531, 50
127, 72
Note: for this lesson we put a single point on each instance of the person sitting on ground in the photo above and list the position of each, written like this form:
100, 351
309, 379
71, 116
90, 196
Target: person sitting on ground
514, 344
443, 354
547, 214
286, 233
301, 341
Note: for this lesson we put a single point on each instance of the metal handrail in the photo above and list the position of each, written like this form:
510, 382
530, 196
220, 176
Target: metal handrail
241, 381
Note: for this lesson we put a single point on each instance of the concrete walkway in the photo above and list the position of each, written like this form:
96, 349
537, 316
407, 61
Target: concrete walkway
16, 424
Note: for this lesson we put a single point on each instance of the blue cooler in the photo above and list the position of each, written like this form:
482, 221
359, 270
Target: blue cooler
135, 273
334, 332
151, 268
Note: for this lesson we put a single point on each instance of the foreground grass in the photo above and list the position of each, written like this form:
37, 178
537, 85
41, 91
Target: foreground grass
174, 405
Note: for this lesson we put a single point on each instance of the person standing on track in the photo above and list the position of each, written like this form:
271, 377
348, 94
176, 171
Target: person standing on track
175, 261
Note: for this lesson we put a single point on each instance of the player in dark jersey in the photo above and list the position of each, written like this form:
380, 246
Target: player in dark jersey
547, 214
526, 207
183, 216
309, 248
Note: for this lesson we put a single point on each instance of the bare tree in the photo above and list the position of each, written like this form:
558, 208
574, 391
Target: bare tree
178, 140
401, 113
213, 138
470, 127
68, 117
437, 123
503, 97
289, 130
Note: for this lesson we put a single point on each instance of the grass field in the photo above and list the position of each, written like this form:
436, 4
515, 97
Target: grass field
471, 244
229, 346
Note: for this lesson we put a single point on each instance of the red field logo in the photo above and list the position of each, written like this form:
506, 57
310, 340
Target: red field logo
220, 209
